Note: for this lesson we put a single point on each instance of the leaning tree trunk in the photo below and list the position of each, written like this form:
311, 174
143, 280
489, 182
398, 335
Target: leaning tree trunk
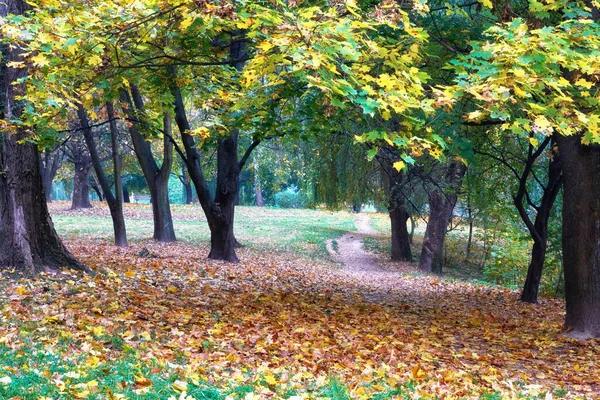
581, 235
441, 205
117, 217
28, 241
81, 185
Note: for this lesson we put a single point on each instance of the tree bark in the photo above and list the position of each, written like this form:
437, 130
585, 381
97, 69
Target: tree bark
400, 236
581, 235
121, 239
126, 198
28, 241
81, 184
156, 178
539, 230
441, 205
399, 217
115, 210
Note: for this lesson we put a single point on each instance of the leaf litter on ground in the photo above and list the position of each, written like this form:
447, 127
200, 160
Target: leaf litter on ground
280, 325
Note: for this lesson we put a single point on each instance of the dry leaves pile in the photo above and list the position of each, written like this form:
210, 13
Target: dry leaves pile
289, 323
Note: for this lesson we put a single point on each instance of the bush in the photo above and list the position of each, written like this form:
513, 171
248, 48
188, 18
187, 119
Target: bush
290, 198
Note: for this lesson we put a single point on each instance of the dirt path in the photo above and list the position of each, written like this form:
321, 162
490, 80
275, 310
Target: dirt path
348, 249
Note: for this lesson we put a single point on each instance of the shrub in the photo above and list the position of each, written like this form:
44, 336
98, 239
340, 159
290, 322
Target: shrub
290, 198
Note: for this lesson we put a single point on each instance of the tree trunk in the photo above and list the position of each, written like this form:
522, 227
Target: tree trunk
156, 178
581, 235
126, 198
539, 232
96, 189
257, 188
121, 238
50, 163
441, 205
28, 241
399, 216
220, 210
81, 184
115, 210
400, 237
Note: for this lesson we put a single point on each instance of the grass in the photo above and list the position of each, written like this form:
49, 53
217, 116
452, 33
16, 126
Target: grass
264, 229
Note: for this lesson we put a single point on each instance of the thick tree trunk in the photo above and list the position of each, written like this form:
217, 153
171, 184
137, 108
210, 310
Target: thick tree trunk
28, 241
441, 205
581, 235
115, 210
81, 185
156, 178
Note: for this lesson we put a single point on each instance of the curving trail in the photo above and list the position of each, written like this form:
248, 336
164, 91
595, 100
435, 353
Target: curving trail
350, 250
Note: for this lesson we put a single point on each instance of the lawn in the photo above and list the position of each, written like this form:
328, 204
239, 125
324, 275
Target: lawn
285, 322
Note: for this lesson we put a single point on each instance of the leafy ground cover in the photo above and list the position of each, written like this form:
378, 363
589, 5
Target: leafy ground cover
280, 324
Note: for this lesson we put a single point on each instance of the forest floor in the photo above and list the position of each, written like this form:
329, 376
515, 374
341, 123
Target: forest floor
288, 321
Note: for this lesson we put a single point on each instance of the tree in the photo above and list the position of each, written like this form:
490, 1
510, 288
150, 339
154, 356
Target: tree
115, 207
28, 241
78, 155
50, 162
441, 205
156, 178
541, 79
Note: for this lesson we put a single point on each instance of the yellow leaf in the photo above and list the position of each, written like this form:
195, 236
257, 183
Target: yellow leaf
94, 60
20, 290
399, 165
582, 82
40, 60
487, 3
172, 289
180, 386
270, 379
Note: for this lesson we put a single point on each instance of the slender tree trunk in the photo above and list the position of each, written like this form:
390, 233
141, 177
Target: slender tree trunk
257, 188
540, 231
115, 209
156, 178
121, 239
28, 241
81, 184
187, 184
50, 163
581, 235
96, 189
126, 198
441, 205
